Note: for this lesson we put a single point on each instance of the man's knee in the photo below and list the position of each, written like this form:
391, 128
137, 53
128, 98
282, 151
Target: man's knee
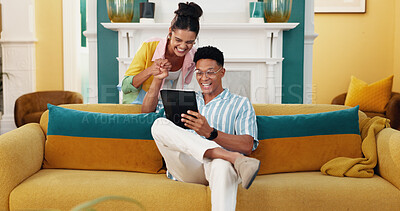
158, 127
221, 166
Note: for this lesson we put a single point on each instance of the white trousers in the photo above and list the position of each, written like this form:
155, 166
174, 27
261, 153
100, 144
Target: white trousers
183, 153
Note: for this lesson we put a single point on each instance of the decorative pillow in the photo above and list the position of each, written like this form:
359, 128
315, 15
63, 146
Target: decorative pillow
373, 97
305, 142
99, 141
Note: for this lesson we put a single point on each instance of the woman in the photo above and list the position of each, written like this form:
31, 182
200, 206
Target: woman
173, 55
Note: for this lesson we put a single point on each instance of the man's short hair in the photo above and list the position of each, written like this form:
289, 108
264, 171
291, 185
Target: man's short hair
209, 52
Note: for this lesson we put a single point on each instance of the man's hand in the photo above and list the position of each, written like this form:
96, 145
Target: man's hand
197, 122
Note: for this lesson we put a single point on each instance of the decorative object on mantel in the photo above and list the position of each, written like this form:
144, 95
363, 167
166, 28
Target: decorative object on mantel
256, 12
340, 6
136, 10
147, 12
277, 10
120, 10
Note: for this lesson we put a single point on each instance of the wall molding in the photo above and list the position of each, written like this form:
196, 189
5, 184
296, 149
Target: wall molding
91, 35
309, 37
71, 45
18, 56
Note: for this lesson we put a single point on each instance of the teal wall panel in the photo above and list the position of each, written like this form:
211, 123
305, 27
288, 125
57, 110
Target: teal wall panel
83, 22
107, 52
293, 52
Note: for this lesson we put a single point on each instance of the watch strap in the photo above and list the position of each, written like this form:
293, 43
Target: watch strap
213, 134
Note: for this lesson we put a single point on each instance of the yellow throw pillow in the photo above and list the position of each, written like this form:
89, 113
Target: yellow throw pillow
373, 97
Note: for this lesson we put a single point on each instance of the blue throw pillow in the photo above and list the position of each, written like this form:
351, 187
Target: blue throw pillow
100, 141
305, 142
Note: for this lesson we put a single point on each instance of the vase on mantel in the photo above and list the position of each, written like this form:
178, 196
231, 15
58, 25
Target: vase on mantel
120, 10
277, 10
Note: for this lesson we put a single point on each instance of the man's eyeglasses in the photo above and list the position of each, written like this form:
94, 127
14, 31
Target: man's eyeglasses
209, 73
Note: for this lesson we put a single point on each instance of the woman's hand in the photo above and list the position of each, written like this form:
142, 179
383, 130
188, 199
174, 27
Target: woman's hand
160, 68
162, 73
166, 64
197, 122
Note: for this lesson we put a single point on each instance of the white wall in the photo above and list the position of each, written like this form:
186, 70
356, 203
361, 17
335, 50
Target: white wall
218, 11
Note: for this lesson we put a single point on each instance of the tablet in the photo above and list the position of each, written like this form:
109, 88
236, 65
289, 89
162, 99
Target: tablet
177, 102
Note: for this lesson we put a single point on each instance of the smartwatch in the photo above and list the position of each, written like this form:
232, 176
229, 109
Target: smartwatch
213, 134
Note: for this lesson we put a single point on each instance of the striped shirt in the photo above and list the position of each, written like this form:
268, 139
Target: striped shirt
229, 113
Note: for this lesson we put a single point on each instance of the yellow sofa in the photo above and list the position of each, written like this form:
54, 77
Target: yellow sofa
24, 184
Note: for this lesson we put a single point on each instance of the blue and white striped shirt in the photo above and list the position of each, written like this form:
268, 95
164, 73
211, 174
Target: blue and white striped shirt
229, 113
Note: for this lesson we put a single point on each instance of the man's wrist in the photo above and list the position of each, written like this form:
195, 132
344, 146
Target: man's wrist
213, 135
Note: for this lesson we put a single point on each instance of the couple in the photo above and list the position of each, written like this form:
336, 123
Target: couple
224, 129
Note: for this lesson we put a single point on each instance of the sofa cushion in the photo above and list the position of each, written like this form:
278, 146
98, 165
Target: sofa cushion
62, 189
89, 140
305, 142
370, 97
59, 189
315, 191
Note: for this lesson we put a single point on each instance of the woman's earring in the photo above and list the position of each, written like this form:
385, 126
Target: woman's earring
195, 44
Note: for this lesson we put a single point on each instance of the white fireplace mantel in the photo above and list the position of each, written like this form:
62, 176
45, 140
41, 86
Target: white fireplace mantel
252, 51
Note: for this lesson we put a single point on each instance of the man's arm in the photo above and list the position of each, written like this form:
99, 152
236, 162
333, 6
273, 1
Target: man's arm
236, 143
150, 101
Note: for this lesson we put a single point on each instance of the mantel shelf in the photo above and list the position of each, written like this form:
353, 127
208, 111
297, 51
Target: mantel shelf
203, 26
128, 60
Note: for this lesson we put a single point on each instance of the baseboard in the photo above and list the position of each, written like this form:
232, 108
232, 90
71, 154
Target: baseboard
7, 124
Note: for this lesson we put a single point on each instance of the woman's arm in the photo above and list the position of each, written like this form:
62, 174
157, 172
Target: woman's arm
140, 78
154, 69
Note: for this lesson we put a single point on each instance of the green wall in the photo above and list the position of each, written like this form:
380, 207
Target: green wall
293, 52
107, 51
292, 70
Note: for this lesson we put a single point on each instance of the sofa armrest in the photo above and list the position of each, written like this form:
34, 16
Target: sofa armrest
388, 149
393, 111
21, 155
339, 100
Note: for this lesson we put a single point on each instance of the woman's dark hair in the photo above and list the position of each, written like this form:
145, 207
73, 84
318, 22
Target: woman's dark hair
209, 52
187, 17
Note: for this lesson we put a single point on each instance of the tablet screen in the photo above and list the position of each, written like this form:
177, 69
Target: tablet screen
177, 102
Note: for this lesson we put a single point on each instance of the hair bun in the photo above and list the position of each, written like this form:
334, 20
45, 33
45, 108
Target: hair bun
189, 9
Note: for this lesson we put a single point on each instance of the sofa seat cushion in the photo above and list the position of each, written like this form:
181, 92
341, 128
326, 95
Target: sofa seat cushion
315, 191
64, 189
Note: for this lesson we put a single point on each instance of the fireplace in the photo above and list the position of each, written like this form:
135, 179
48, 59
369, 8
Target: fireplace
253, 53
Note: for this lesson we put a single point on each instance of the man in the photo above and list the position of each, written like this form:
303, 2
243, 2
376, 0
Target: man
223, 130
